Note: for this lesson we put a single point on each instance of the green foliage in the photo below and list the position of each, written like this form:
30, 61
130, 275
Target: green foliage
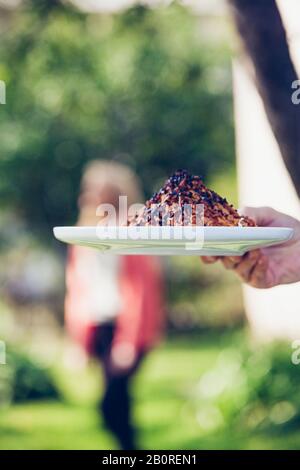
166, 416
201, 297
22, 379
250, 388
143, 87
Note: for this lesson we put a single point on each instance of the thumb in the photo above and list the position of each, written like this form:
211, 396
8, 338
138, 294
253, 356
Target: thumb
263, 216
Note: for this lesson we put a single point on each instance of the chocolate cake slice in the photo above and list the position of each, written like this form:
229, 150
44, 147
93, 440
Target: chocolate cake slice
177, 201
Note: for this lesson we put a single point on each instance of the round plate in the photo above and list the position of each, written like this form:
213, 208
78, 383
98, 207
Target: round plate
218, 241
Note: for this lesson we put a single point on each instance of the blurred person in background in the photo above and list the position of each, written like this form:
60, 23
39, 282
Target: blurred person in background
114, 304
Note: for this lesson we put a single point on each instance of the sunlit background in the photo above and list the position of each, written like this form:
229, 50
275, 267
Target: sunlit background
147, 84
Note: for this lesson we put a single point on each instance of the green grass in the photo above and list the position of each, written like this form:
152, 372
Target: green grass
163, 411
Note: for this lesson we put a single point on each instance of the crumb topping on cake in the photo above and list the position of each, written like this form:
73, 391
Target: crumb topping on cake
177, 201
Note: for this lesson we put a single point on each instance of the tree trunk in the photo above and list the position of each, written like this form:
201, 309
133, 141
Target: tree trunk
263, 35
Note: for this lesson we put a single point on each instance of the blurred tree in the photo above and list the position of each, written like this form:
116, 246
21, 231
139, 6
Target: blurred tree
143, 86
267, 46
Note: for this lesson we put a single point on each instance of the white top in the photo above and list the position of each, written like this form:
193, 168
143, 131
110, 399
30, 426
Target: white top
100, 273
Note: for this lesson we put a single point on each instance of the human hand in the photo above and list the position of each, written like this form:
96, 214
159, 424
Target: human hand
270, 266
122, 357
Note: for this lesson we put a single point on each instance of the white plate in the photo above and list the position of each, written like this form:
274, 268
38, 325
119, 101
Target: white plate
220, 241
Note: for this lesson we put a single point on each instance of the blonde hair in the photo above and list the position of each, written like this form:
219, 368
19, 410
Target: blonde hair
104, 173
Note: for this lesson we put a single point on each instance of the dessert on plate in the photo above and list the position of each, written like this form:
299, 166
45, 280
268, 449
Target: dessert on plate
177, 201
